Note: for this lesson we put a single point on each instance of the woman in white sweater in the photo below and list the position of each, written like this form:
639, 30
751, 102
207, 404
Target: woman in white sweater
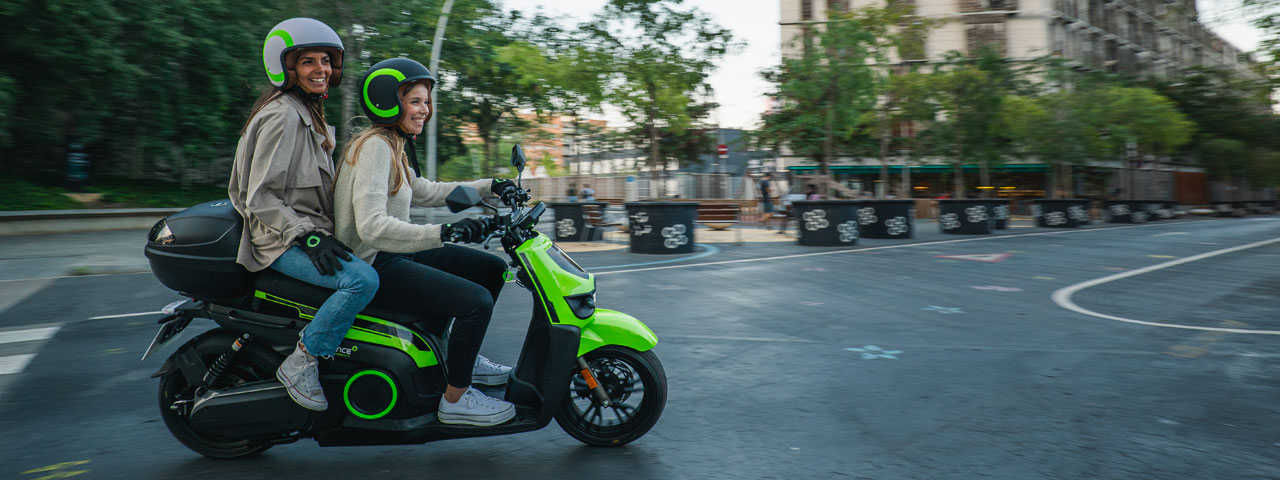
374, 190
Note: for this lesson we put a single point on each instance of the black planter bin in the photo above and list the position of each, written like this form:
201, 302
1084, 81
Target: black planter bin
1068, 213
826, 223
1124, 211
571, 222
661, 227
999, 210
886, 218
965, 216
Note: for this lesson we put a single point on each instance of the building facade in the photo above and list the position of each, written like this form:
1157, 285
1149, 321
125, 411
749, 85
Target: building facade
1129, 37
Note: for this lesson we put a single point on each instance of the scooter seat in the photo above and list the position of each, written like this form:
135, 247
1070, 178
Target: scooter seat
281, 285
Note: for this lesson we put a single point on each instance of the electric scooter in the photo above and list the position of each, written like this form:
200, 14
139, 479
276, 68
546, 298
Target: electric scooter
591, 369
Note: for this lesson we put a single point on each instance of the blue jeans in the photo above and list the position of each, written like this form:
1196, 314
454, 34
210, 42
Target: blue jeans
355, 286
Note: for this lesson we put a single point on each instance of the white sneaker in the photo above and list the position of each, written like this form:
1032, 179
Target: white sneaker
475, 408
485, 372
300, 374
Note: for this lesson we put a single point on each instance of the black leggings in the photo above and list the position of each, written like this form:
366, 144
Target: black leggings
448, 282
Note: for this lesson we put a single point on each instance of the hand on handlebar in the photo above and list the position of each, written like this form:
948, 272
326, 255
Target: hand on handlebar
467, 230
508, 192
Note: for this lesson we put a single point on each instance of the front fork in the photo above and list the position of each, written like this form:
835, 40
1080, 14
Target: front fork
596, 389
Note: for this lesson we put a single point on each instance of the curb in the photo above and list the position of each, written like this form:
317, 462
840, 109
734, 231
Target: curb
43, 222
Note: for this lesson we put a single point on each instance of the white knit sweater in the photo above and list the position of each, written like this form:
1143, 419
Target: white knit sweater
369, 219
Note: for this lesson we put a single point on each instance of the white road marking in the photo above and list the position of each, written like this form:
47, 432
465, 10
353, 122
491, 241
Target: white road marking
888, 247
14, 364
27, 335
1063, 296
1170, 233
123, 315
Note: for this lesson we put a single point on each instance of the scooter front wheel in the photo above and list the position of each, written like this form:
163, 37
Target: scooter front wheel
637, 388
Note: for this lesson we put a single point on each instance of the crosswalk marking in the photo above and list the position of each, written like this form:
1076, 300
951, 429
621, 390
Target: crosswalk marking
14, 364
27, 335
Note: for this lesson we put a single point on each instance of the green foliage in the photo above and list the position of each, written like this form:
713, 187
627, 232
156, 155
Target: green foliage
653, 60
28, 195
828, 91
122, 192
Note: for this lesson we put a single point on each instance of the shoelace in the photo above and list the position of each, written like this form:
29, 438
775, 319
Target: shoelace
486, 363
477, 399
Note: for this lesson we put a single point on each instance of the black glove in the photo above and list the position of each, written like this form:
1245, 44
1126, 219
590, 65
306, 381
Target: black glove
467, 230
502, 188
508, 192
324, 251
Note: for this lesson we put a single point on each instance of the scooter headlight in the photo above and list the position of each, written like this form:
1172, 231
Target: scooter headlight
583, 305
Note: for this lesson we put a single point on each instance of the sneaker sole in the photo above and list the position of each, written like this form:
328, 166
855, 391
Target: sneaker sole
297, 397
477, 420
490, 380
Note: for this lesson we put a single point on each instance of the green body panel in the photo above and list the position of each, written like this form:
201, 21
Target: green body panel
612, 327
402, 340
554, 283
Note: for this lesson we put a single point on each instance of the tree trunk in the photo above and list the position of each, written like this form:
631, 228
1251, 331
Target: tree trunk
655, 155
907, 191
984, 178
884, 161
828, 144
957, 181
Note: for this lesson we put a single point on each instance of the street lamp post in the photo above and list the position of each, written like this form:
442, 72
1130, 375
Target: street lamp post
434, 66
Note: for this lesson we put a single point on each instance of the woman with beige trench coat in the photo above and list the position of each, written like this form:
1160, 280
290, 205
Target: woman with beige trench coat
282, 184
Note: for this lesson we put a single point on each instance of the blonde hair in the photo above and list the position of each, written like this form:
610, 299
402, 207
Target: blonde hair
399, 161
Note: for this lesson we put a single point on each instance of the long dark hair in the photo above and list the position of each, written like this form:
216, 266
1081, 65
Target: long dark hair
315, 105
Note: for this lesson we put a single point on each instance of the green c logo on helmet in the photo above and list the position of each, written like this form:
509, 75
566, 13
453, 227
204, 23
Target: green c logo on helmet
390, 112
288, 42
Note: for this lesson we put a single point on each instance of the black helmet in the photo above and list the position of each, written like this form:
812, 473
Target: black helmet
380, 89
294, 34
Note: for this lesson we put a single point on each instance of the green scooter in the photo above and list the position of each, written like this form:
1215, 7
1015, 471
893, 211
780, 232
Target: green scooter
593, 370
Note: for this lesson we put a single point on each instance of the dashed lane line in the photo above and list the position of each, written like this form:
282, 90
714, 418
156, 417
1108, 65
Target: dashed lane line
1063, 296
15, 363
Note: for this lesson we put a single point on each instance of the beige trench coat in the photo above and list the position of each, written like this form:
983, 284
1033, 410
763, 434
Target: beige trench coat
281, 182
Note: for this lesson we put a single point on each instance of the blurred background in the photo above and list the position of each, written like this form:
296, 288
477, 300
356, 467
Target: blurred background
109, 104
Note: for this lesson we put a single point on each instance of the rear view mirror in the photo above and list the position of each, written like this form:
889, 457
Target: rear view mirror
517, 158
461, 198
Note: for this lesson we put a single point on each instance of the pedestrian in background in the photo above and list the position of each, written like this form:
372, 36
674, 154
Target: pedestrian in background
572, 194
588, 193
766, 202
282, 185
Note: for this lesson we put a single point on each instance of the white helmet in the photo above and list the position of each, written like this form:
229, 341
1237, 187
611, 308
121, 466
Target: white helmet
296, 33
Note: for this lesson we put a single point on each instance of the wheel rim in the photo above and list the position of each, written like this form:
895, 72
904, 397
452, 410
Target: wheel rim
625, 385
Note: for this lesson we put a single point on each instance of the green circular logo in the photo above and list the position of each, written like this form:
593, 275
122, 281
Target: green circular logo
390, 112
313, 241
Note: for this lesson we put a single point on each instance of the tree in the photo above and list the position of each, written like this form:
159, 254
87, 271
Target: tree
970, 97
654, 61
828, 94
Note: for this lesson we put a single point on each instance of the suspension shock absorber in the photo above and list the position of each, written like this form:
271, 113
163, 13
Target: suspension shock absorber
220, 365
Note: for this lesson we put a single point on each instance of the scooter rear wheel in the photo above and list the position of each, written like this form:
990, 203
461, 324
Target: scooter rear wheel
174, 387
637, 388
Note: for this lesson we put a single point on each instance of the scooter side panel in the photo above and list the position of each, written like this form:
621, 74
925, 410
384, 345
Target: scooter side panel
612, 327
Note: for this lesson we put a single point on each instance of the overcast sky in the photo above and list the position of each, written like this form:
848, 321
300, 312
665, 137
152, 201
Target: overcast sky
738, 86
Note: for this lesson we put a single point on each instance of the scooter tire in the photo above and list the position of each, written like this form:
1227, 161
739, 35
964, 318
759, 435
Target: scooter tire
610, 364
173, 385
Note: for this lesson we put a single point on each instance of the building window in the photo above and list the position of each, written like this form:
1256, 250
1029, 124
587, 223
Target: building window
806, 10
837, 6
978, 35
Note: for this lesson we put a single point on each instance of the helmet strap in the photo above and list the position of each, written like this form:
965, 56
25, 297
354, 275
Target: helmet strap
411, 150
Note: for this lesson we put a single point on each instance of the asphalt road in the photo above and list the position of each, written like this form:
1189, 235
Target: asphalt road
889, 360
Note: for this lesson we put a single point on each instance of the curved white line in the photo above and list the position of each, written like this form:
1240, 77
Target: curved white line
1063, 296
